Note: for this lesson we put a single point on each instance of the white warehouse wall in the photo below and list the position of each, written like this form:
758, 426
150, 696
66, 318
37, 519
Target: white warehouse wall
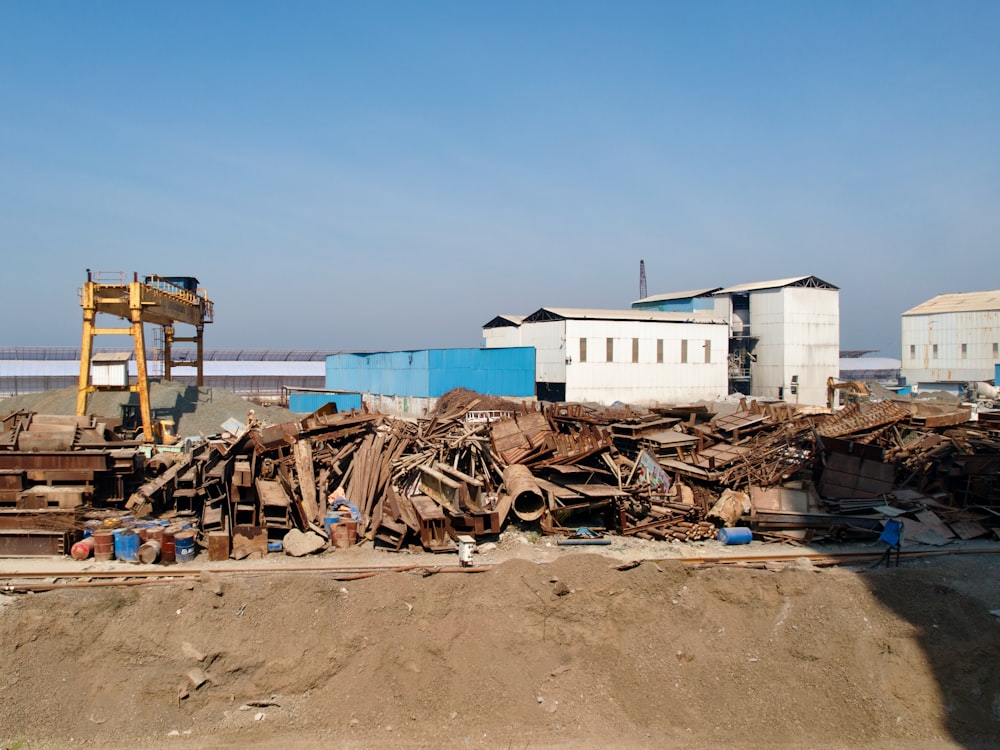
646, 381
799, 335
502, 337
548, 338
978, 330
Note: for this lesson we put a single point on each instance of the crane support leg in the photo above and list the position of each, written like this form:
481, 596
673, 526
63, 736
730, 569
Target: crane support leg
86, 350
142, 383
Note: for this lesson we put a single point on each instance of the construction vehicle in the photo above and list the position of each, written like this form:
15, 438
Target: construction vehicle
850, 392
162, 422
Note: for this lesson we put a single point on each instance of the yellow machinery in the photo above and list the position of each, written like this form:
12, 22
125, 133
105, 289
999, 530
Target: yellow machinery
854, 392
158, 300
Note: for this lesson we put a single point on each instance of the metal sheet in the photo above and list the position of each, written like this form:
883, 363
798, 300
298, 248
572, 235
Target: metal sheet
33, 543
57, 460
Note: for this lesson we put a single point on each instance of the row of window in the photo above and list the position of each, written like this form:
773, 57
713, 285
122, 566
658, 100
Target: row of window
964, 350
609, 351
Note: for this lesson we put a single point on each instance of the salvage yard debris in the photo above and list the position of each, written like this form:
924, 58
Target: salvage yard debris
338, 479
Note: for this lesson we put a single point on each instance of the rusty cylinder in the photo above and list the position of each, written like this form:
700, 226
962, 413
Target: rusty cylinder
528, 503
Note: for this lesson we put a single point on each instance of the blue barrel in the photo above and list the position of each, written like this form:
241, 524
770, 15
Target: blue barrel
735, 535
127, 545
184, 547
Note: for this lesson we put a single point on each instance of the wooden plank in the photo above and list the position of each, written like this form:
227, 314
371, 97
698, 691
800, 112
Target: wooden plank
302, 450
969, 529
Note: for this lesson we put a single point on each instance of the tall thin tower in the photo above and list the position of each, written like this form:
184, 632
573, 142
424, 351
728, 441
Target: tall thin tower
642, 280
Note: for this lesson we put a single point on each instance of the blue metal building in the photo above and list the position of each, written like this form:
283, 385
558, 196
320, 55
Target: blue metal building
308, 402
430, 373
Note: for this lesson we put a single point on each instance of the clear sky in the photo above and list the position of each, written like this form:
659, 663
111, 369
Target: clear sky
392, 175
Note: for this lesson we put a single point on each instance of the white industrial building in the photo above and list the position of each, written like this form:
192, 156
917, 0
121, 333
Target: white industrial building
784, 335
952, 338
631, 356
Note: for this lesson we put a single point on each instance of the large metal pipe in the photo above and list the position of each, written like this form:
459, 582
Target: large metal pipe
528, 503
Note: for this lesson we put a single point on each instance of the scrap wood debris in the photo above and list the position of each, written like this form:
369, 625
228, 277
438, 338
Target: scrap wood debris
478, 463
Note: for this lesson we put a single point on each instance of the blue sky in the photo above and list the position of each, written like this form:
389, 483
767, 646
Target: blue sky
385, 175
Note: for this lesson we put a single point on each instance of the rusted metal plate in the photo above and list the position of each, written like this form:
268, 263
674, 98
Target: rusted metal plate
717, 456
33, 543
739, 421
597, 490
55, 460
863, 417
49, 519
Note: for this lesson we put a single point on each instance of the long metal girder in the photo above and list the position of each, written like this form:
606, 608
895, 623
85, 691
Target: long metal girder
162, 305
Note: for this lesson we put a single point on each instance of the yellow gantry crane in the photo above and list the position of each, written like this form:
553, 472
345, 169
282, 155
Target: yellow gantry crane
159, 300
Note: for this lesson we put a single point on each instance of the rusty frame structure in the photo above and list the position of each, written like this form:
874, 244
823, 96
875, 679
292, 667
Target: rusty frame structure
156, 300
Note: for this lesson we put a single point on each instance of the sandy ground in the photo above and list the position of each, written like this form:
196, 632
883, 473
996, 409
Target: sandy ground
550, 648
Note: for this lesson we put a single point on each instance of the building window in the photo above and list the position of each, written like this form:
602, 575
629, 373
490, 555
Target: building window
708, 351
965, 351
611, 350
934, 352
659, 351
635, 351
684, 351
996, 350
583, 350
913, 351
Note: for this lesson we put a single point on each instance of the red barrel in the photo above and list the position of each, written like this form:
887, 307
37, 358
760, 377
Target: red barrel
167, 546
352, 532
104, 545
339, 535
83, 549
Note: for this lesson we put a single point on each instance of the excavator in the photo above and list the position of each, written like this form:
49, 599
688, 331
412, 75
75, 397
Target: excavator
852, 392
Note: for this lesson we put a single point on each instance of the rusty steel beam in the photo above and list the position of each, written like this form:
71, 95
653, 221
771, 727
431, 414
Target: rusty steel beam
55, 461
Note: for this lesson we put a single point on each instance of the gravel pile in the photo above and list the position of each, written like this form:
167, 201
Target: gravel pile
195, 410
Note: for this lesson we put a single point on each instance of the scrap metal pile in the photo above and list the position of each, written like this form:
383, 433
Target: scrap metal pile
665, 474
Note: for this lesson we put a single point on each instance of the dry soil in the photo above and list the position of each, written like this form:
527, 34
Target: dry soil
569, 653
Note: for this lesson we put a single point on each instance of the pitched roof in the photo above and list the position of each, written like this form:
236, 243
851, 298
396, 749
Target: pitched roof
678, 295
582, 313
964, 302
501, 321
807, 281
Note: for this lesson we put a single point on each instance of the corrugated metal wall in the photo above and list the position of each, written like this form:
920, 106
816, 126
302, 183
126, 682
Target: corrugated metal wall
498, 372
643, 379
432, 373
399, 373
307, 403
799, 336
960, 346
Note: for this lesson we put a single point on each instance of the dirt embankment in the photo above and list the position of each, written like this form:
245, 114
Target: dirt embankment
568, 654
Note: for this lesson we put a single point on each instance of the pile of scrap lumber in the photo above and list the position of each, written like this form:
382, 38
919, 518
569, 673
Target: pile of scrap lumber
813, 474
670, 474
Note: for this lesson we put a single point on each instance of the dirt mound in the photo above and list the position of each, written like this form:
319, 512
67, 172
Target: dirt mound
195, 410
572, 653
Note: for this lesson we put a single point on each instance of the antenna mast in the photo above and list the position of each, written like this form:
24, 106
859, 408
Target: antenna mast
642, 280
